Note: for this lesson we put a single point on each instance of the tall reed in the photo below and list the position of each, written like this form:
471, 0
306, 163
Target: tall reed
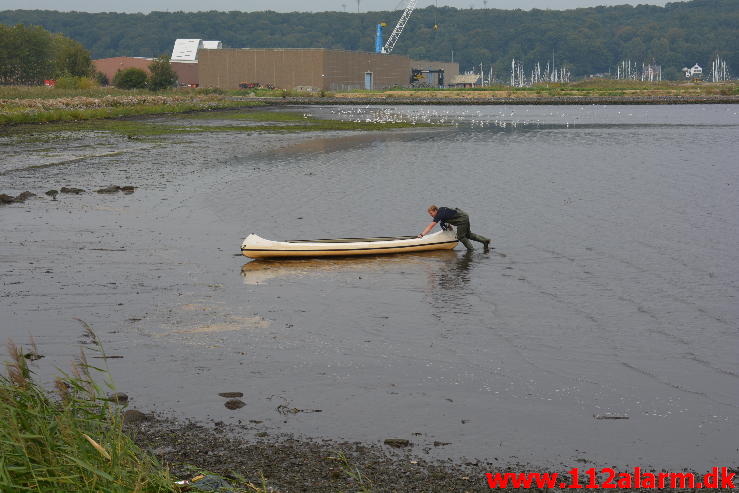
71, 439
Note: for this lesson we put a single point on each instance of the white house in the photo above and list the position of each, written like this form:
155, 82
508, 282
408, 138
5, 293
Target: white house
694, 72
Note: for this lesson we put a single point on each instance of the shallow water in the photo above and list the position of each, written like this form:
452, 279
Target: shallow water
611, 292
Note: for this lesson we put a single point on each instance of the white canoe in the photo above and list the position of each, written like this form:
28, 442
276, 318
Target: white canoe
257, 247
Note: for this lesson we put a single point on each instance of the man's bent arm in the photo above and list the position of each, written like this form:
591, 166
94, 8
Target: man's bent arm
428, 228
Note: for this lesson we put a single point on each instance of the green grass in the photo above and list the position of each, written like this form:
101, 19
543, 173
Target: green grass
361, 481
16, 116
269, 121
71, 441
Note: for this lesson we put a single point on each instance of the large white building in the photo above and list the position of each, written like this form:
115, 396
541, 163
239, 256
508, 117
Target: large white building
186, 50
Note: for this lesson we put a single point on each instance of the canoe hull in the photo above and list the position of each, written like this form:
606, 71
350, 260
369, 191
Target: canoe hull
256, 247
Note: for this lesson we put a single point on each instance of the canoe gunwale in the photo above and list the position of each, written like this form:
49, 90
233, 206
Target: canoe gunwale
347, 250
257, 247
353, 240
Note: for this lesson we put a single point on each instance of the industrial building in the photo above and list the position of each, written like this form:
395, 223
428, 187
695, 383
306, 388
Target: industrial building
201, 63
208, 64
313, 68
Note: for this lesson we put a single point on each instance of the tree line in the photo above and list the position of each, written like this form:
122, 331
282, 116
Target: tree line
586, 41
30, 54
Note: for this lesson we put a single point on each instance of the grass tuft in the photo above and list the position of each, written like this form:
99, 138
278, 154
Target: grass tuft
72, 441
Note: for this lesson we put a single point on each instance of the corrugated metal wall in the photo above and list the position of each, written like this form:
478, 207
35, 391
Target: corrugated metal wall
346, 70
227, 68
290, 68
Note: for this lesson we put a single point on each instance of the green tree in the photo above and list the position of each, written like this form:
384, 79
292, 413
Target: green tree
130, 78
26, 55
30, 54
71, 58
162, 75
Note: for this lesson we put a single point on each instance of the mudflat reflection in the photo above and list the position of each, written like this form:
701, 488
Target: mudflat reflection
432, 264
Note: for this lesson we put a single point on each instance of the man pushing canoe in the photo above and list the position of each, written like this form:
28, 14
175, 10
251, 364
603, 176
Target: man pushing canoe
458, 218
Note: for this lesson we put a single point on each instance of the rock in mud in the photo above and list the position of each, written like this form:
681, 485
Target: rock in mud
73, 190
231, 395
397, 442
6, 199
20, 198
23, 196
118, 397
110, 189
234, 404
115, 188
134, 416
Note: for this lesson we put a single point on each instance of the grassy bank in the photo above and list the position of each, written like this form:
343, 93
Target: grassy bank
585, 88
23, 105
68, 441
19, 110
246, 120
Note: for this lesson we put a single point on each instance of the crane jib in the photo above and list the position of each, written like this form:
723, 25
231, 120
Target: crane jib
393, 38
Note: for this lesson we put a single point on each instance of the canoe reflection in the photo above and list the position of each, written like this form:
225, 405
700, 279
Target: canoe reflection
263, 270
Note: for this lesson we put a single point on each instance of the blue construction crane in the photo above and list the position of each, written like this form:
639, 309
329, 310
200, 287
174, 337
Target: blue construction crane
390, 44
378, 37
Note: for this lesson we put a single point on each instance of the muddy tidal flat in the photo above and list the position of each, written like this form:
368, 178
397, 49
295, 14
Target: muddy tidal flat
602, 330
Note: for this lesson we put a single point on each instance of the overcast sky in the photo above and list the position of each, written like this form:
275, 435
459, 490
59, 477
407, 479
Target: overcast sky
297, 5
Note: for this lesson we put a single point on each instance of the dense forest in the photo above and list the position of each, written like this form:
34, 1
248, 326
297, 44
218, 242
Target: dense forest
586, 41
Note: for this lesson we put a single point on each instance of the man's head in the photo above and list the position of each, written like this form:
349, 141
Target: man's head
432, 210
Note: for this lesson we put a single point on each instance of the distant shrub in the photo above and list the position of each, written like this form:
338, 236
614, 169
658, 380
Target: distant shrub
70, 82
130, 78
101, 79
162, 74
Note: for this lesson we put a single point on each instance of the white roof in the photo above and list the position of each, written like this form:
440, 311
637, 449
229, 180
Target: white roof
186, 50
212, 45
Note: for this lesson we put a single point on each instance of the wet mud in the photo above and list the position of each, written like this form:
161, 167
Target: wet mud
602, 329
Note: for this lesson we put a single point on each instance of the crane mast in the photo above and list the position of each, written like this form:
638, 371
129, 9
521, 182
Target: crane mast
393, 38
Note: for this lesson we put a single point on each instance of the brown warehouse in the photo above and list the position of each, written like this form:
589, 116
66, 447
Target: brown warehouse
309, 68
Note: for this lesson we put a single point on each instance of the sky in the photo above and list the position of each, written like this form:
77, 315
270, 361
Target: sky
146, 6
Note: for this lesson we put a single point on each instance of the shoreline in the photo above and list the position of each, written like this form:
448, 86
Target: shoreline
22, 111
501, 101
283, 463
287, 463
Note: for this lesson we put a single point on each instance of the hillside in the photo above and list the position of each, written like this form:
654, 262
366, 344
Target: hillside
586, 41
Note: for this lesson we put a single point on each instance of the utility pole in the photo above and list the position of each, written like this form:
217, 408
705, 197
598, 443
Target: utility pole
358, 6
